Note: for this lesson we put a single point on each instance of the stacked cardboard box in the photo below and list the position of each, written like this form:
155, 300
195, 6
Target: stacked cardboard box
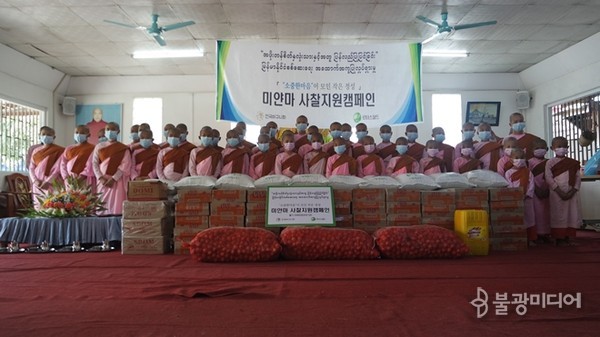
256, 210
147, 227
437, 208
191, 216
369, 209
507, 226
342, 199
227, 208
472, 198
403, 207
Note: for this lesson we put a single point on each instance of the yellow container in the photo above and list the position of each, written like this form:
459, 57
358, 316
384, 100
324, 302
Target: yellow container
473, 228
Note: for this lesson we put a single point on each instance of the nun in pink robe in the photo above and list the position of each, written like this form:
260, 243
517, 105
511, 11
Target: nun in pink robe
113, 196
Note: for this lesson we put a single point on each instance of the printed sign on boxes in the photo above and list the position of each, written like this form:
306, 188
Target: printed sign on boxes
145, 245
227, 208
472, 198
194, 195
402, 195
140, 190
438, 202
146, 209
147, 227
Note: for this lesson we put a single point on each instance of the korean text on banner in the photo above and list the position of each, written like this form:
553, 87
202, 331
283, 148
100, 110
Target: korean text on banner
374, 84
304, 206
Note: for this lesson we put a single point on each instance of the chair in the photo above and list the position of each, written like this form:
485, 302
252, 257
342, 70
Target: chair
18, 196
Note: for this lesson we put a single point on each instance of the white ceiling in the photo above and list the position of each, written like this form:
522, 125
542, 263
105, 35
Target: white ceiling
71, 36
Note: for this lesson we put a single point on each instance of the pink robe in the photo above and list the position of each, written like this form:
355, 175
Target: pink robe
304, 149
137, 167
167, 173
529, 212
459, 162
204, 168
226, 169
564, 214
256, 171
541, 207
279, 162
423, 163
386, 160
501, 162
30, 153
66, 169
370, 169
114, 196
342, 170
318, 168
37, 175
486, 158
416, 168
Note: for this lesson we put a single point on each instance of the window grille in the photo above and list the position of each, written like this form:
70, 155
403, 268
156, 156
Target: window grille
19, 129
571, 119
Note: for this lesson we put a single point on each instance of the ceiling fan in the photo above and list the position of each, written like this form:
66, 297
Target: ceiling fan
445, 28
154, 29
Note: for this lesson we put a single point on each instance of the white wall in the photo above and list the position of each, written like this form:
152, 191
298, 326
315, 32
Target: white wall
191, 99
572, 73
26, 81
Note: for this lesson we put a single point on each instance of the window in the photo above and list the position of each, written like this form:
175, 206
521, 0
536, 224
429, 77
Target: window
148, 110
19, 129
571, 119
446, 110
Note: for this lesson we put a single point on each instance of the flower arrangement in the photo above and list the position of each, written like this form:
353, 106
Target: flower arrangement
71, 200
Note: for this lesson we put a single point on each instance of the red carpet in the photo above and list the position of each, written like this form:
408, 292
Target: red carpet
107, 294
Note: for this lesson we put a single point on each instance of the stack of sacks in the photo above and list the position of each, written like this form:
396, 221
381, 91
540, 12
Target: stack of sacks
147, 227
368, 209
403, 207
507, 223
437, 208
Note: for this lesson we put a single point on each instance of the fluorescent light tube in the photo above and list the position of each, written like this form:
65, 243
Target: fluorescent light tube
444, 53
156, 54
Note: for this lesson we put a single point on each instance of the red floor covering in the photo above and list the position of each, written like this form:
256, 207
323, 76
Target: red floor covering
107, 294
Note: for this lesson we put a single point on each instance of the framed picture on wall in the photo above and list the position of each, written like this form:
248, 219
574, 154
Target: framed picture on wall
488, 112
96, 116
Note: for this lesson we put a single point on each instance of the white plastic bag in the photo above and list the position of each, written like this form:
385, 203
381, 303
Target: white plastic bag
416, 181
272, 180
204, 182
235, 181
309, 180
451, 180
380, 182
485, 178
346, 181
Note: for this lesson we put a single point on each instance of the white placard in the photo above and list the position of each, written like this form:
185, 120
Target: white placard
300, 206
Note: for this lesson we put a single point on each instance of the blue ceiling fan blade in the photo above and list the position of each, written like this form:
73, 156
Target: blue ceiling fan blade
124, 24
177, 25
429, 21
159, 39
473, 25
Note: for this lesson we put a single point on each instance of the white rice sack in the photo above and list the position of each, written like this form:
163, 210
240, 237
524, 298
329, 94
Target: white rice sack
272, 180
380, 182
235, 181
309, 180
346, 181
485, 178
416, 181
202, 182
451, 180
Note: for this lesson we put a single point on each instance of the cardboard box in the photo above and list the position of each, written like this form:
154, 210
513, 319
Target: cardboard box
345, 221
139, 190
257, 195
505, 194
403, 219
227, 208
342, 195
229, 195
440, 221
226, 220
508, 244
516, 206
363, 206
192, 230
192, 208
256, 208
343, 208
472, 198
369, 219
404, 207
513, 230
191, 220
369, 194
256, 220
146, 245
147, 227
146, 209
446, 197
402, 195
507, 218
194, 195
